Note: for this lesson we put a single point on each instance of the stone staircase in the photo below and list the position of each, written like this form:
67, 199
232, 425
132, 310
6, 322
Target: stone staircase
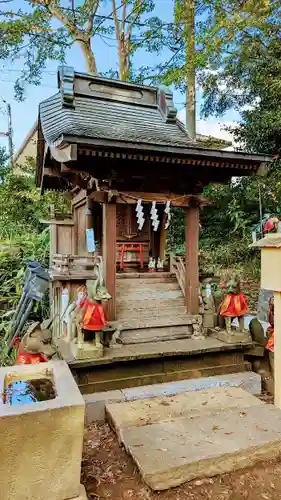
150, 308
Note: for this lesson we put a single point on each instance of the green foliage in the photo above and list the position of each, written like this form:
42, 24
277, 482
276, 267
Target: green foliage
227, 224
22, 235
246, 46
44, 31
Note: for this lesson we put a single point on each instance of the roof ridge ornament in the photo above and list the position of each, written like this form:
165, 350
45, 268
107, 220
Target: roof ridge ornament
66, 85
166, 104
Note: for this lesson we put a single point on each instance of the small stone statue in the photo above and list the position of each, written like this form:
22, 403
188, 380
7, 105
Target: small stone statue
208, 309
36, 346
160, 265
234, 305
151, 265
90, 316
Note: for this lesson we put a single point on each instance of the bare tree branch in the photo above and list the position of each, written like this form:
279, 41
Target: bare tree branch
115, 19
93, 7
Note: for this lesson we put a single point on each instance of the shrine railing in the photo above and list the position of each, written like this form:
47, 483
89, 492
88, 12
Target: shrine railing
66, 266
177, 267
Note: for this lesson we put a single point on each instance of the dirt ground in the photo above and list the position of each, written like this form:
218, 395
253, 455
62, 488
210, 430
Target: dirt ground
108, 473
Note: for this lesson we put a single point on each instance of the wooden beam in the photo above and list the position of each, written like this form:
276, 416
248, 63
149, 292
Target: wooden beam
98, 196
191, 260
109, 255
176, 200
64, 154
51, 172
81, 196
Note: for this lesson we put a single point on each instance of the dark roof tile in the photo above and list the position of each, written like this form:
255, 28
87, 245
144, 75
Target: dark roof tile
109, 119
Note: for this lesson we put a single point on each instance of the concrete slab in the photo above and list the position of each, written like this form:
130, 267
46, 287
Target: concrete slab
198, 434
249, 381
171, 453
95, 403
191, 404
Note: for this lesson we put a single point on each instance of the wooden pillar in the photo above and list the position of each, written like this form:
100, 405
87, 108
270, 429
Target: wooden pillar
191, 260
89, 217
162, 250
109, 255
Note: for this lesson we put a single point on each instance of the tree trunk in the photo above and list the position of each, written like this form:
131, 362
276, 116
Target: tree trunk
90, 60
123, 67
122, 64
189, 28
123, 58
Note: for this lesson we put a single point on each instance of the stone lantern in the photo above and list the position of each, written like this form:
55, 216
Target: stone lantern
270, 247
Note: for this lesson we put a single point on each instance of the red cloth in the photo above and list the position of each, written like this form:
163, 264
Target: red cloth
270, 331
94, 317
270, 343
23, 358
234, 305
269, 225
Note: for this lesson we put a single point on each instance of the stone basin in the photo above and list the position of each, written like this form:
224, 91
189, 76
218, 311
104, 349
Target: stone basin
41, 437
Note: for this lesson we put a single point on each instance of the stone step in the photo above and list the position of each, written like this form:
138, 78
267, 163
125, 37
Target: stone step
133, 314
219, 431
155, 322
141, 336
142, 280
146, 305
143, 275
135, 285
149, 294
151, 394
140, 412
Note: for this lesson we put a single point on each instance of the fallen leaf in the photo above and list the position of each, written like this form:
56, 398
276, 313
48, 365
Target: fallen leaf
215, 428
261, 428
228, 433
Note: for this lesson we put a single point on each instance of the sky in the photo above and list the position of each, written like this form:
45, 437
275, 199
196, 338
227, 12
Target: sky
24, 114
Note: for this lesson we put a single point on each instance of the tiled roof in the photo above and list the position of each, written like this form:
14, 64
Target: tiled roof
99, 117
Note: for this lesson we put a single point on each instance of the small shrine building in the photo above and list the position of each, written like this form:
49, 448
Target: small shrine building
125, 160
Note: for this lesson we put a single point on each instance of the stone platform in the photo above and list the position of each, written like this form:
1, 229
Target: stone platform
96, 402
199, 434
156, 363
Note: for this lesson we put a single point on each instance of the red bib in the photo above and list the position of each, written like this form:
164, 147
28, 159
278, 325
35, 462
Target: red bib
94, 317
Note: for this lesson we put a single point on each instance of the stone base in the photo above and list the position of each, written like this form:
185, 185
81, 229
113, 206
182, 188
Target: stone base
87, 351
235, 337
44, 439
82, 494
196, 435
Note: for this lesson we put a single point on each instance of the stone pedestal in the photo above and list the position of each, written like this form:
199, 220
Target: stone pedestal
41, 442
87, 351
234, 337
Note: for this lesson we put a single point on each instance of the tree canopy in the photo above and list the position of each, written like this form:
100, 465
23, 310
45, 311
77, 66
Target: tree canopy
44, 30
